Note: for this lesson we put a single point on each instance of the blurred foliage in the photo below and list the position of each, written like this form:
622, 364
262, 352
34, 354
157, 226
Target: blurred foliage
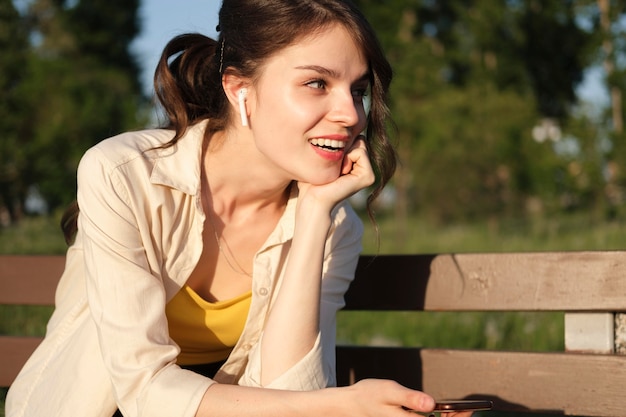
68, 81
475, 82
489, 123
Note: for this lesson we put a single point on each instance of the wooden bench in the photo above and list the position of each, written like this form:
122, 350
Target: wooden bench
588, 379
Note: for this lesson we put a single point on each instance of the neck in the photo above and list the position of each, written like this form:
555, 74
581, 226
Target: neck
237, 179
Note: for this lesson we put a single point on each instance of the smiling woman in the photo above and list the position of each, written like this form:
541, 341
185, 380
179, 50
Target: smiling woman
212, 255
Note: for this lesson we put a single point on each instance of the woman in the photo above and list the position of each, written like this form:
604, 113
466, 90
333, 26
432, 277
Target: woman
212, 255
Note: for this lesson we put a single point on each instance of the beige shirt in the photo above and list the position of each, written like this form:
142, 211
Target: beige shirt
140, 237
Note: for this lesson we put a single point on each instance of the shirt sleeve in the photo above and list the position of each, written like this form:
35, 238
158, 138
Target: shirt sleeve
127, 299
316, 370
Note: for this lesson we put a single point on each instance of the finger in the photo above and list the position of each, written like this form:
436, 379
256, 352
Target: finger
346, 164
416, 400
357, 150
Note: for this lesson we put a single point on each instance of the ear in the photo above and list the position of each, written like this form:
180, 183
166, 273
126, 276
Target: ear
233, 84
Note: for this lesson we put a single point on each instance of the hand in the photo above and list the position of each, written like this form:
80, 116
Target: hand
356, 174
385, 398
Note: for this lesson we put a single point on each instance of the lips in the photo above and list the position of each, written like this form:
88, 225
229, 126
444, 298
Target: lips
328, 144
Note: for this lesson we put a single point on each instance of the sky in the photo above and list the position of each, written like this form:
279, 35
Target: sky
164, 19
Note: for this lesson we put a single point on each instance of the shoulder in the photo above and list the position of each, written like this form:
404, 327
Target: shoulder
125, 147
136, 153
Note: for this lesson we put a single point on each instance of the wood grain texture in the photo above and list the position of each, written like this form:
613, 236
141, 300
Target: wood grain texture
547, 281
557, 383
14, 351
29, 279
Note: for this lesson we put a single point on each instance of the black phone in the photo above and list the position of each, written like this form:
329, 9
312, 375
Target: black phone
462, 405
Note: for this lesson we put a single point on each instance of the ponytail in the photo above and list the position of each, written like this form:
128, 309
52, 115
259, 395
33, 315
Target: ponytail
188, 84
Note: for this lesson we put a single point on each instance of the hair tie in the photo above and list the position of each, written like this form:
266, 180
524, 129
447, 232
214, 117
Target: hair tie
222, 56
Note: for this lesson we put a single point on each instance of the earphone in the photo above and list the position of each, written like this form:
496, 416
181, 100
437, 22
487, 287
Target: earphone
242, 106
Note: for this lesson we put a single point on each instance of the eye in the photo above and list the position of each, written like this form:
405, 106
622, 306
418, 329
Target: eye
316, 84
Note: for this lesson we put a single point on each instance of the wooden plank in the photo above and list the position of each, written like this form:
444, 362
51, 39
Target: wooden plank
555, 281
14, 352
590, 332
29, 279
547, 281
559, 383
574, 384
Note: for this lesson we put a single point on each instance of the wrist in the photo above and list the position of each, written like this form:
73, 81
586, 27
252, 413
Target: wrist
313, 222
313, 209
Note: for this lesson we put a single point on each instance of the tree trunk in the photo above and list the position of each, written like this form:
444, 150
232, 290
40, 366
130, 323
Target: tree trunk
609, 65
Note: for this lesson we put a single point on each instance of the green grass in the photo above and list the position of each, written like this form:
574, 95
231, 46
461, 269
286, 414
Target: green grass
567, 232
480, 330
469, 330
33, 236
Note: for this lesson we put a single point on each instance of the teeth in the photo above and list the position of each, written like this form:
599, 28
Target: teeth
328, 143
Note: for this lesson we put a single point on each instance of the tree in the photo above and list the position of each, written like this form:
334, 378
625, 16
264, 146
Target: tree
471, 81
13, 57
80, 84
613, 39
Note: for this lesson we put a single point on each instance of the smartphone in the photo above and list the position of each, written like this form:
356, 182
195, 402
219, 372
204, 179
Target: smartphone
462, 405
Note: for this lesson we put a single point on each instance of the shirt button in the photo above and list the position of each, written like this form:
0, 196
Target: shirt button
263, 291
247, 347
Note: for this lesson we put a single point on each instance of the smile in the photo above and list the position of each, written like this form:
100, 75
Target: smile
328, 144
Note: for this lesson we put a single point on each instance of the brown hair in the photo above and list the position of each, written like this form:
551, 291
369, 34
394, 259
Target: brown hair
188, 77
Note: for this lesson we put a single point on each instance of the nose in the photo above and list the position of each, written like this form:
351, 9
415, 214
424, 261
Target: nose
347, 109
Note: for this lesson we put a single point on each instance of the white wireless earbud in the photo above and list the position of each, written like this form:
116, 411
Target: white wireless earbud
242, 106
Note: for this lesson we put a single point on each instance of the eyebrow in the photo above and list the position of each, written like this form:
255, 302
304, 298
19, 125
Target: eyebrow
332, 73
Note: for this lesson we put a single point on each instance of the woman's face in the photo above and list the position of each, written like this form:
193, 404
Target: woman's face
307, 106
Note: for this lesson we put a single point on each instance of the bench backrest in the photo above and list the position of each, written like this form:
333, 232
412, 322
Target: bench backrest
587, 379
24, 280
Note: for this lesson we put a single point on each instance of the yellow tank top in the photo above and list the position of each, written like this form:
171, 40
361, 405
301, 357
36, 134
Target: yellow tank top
206, 332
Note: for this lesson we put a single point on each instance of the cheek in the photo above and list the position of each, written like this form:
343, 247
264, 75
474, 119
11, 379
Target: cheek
288, 114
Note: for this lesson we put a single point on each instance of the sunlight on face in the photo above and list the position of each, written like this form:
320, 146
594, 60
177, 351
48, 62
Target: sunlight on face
309, 105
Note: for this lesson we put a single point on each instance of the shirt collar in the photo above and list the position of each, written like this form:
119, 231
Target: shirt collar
179, 166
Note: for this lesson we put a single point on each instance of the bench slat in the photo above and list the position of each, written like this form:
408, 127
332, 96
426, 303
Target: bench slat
560, 383
547, 281
557, 281
30, 280
14, 352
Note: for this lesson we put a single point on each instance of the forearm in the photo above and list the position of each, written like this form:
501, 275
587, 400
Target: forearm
222, 400
368, 398
293, 323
